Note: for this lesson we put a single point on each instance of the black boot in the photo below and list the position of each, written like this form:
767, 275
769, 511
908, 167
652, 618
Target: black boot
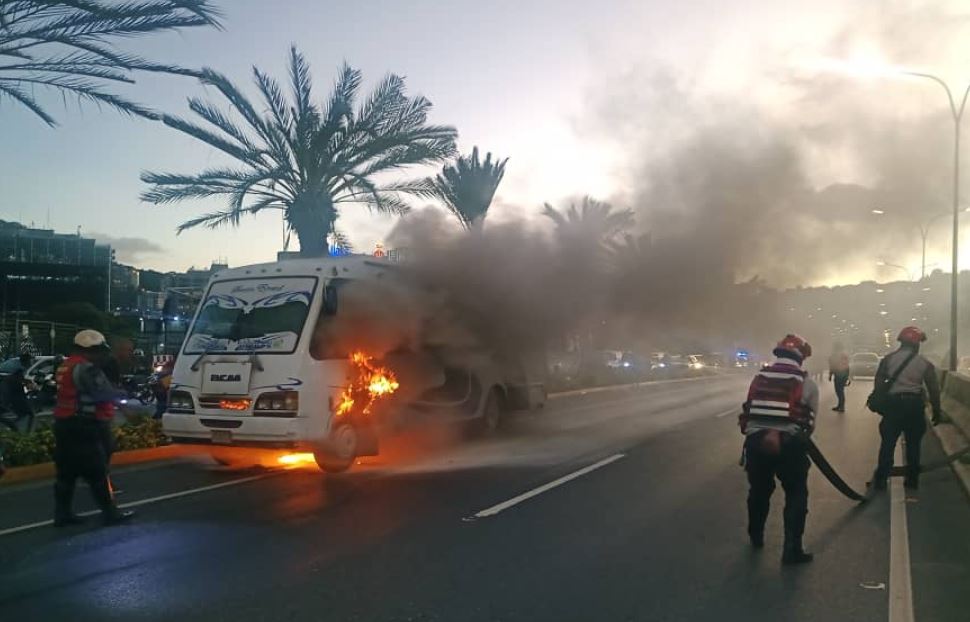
879, 481
757, 539
63, 500
110, 514
117, 517
793, 551
911, 481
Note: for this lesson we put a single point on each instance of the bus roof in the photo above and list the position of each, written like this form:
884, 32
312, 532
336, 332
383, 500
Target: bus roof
347, 266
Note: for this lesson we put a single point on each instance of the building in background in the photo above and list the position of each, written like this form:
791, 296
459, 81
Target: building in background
40, 269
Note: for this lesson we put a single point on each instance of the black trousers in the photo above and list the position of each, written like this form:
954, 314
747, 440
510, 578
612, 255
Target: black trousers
904, 416
840, 380
790, 465
80, 452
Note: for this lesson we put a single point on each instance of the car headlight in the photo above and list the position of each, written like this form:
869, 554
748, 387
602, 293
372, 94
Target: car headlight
278, 402
181, 402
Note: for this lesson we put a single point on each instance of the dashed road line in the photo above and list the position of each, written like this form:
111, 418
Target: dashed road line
501, 507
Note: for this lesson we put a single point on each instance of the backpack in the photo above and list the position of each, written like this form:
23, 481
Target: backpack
775, 397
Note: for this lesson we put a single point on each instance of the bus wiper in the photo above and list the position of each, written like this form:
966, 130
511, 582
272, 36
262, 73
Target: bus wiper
254, 360
205, 353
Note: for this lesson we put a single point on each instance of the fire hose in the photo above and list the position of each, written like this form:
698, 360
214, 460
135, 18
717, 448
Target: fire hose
823, 465
943, 462
897, 471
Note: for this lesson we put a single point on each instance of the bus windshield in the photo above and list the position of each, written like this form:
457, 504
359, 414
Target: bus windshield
263, 315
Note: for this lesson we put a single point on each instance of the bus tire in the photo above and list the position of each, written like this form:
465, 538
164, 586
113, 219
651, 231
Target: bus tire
342, 453
490, 422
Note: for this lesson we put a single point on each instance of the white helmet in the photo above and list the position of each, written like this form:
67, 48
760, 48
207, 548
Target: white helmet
90, 339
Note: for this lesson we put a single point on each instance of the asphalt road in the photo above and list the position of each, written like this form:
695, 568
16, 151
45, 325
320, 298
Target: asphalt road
614, 505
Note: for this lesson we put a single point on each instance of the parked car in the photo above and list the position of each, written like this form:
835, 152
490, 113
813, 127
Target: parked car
863, 364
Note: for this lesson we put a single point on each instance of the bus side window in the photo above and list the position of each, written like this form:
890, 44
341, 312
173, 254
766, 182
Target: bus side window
330, 299
322, 342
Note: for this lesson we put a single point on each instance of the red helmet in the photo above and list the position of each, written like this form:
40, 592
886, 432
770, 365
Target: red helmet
911, 335
796, 345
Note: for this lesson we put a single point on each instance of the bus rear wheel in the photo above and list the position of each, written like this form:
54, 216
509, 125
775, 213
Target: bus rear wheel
341, 453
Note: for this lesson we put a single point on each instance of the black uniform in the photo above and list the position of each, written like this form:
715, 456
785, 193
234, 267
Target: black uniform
82, 446
790, 465
839, 375
905, 411
777, 421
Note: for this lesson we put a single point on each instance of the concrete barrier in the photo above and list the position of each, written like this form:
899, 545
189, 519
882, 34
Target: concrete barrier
954, 434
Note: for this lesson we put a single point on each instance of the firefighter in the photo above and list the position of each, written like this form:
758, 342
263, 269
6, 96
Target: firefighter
777, 419
839, 374
83, 413
908, 371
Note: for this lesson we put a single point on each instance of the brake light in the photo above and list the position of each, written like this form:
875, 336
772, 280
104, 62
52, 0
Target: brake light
237, 404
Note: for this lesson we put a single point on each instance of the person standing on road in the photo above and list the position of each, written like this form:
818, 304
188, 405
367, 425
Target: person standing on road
13, 394
905, 409
161, 387
839, 374
777, 420
84, 410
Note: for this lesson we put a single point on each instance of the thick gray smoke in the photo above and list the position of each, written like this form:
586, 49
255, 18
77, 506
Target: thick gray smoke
780, 182
733, 199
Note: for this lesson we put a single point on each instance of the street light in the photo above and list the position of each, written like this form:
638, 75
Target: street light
876, 69
924, 231
957, 114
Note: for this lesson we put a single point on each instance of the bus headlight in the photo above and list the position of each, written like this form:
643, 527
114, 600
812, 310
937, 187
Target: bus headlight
278, 402
181, 402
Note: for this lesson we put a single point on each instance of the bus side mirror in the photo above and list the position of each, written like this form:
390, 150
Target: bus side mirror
330, 300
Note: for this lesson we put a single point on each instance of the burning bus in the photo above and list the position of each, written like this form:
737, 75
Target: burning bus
324, 356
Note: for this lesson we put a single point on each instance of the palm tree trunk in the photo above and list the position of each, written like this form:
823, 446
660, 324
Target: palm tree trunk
312, 220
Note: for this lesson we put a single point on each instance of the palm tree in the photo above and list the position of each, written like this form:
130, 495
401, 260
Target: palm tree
631, 252
592, 221
305, 159
67, 46
467, 187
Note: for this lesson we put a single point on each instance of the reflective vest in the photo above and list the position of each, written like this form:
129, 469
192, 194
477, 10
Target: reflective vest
70, 402
775, 399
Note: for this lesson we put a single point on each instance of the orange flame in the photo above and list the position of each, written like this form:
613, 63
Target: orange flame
296, 459
372, 383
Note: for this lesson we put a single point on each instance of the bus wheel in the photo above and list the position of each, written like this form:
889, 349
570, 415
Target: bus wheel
342, 451
491, 419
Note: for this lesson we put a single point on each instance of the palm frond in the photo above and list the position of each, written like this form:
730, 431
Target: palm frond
68, 46
467, 186
27, 100
240, 152
303, 158
214, 220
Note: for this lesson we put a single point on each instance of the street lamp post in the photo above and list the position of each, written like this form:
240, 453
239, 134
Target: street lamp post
924, 232
957, 114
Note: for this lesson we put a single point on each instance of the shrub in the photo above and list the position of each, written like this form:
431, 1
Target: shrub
38, 446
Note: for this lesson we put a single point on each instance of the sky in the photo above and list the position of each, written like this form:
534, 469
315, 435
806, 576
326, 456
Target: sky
608, 99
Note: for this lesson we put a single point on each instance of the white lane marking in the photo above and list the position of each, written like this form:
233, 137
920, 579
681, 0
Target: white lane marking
132, 504
731, 411
634, 385
900, 580
495, 509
